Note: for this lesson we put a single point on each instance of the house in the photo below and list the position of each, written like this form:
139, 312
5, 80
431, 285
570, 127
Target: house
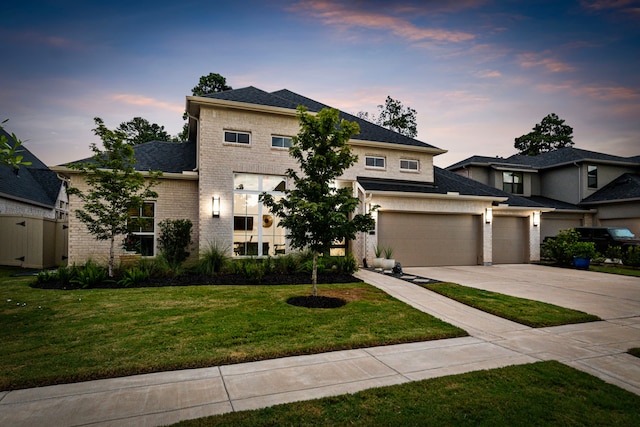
238, 148
33, 214
577, 187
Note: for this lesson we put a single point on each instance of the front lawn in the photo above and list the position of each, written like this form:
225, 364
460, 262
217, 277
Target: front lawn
540, 394
53, 336
616, 269
521, 310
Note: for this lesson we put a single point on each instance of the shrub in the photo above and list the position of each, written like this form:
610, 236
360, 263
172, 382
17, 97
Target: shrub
558, 249
133, 277
90, 276
631, 256
583, 250
213, 260
174, 240
614, 252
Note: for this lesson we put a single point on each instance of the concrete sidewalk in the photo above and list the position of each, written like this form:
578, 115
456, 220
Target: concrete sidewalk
167, 397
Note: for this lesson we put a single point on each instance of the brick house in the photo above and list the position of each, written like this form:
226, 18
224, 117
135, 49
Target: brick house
237, 148
578, 187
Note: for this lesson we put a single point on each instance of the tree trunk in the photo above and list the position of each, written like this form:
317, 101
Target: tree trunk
112, 255
314, 274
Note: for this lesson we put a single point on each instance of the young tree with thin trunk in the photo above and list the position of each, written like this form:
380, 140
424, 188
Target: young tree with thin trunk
315, 213
114, 187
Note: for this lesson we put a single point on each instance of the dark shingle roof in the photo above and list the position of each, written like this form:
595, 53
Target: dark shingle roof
35, 183
444, 182
553, 203
625, 187
286, 99
546, 160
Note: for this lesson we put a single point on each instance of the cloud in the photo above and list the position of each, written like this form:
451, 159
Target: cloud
46, 40
529, 60
600, 93
607, 4
336, 14
489, 74
132, 99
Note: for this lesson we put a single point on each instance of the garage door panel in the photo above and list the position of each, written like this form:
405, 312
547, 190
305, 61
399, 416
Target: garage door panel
431, 240
510, 240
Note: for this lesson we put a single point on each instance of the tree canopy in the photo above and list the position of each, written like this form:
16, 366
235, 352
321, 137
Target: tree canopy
139, 130
548, 135
315, 212
211, 83
394, 116
114, 187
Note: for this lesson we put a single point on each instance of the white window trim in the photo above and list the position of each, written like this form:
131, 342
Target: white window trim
384, 159
279, 136
225, 142
416, 170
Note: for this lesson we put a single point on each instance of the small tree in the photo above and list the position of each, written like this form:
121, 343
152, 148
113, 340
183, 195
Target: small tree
174, 240
548, 135
394, 116
139, 130
10, 153
315, 212
114, 187
211, 83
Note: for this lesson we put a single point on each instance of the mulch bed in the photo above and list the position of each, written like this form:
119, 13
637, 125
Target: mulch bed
221, 279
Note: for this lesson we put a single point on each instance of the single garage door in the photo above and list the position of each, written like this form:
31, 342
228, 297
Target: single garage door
510, 240
551, 223
431, 240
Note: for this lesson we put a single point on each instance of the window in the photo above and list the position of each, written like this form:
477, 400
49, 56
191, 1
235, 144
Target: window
280, 141
592, 176
374, 162
237, 137
256, 231
141, 226
409, 165
512, 182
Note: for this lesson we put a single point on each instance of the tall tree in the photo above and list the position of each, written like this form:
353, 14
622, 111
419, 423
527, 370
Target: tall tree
548, 135
315, 212
211, 83
114, 187
139, 130
394, 116
10, 152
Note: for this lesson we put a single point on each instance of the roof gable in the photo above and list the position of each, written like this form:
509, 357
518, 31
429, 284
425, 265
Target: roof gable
625, 187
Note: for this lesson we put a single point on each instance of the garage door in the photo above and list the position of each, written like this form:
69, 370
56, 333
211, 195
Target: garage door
431, 240
510, 240
551, 224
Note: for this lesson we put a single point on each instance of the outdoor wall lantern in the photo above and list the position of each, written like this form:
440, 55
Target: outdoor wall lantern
536, 219
215, 206
488, 215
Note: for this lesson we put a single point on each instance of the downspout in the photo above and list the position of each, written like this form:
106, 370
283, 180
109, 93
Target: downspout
579, 182
197, 141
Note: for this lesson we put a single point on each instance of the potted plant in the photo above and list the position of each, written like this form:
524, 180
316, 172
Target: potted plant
377, 261
388, 262
582, 253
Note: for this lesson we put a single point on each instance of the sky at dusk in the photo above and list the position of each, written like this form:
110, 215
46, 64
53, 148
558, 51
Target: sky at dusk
479, 73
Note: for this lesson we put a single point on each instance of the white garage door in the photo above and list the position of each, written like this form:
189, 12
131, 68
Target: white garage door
510, 240
431, 240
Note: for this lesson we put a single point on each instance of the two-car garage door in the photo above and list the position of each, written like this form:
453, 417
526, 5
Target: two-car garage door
431, 239
448, 239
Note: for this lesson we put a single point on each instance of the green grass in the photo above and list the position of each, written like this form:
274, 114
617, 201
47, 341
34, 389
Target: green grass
615, 269
51, 336
540, 394
521, 310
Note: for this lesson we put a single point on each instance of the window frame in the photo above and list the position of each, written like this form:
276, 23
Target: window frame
284, 139
408, 162
592, 176
237, 133
145, 234
375, 158
509, 185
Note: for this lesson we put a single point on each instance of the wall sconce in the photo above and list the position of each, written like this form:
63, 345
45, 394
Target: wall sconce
536, 219
215, 207
488, 215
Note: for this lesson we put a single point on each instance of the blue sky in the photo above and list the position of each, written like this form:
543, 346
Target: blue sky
479, 73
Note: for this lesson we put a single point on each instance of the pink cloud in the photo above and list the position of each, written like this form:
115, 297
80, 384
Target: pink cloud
529, 60
607, 4
52, 41
132, 99
601, 93
489, 74
332, 13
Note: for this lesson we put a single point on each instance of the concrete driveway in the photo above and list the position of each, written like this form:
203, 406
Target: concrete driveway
608, 296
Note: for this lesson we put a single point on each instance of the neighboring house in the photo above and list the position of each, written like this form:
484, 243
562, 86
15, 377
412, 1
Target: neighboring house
33, 214
578, 187
238, 148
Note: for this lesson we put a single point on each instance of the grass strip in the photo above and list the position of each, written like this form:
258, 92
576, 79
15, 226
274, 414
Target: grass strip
521, 310
544, 393
51, 336
621, 270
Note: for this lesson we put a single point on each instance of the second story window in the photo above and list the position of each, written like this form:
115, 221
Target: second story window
375, 162
237, 137
409, 165
512, 182
592, 176
280, 141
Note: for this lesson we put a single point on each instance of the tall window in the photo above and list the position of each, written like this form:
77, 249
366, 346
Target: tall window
141, 228
512, 182
592, 176
375, 162
256, 231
